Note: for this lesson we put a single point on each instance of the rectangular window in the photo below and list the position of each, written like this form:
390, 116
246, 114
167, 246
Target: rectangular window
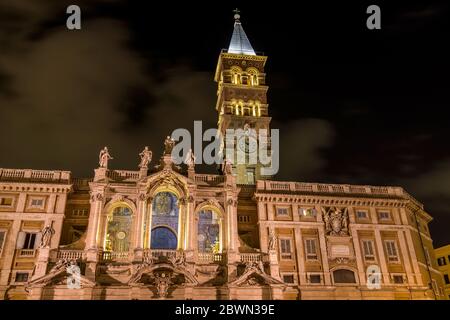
2, 240
30, 239
21, 277
391, 250
441, 261
446, 279
37, 202
285, 249
80, 212
398, 279
311, 250
7, 202
251, 176
307, 212
361, 214
282, 211
315, 278
369, 252
244, 219
384, 215
288, 278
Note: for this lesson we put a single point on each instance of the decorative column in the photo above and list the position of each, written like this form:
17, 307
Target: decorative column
383, 263
404, 250
415, 263
232, 254
92, 237
8, 257
300, 256
139, 232
191, 219
324, 255
273, 255
359, 259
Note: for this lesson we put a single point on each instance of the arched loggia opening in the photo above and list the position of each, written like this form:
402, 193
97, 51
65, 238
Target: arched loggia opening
165, 221
209, 230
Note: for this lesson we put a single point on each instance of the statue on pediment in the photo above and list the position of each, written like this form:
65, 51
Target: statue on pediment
169, 143
104, 157
146, 158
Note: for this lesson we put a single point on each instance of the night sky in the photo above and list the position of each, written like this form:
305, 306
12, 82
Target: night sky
353, 105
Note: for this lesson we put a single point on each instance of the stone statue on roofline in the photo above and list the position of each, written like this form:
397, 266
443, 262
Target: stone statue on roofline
104, 157
169, 143
146, 158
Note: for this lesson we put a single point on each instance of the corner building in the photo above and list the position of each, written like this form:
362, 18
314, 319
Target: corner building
166, 232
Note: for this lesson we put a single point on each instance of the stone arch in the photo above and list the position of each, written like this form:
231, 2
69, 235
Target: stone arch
202, 226
108, 211
347, 274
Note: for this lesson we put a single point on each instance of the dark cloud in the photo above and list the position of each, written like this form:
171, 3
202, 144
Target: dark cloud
352, 106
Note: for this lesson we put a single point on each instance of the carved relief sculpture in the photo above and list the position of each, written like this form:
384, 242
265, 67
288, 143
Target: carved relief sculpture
47, 234
336, 221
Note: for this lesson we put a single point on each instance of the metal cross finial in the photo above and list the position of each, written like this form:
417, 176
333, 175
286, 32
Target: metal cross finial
236, 14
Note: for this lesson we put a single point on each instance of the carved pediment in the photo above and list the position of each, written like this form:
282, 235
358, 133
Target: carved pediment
59, 275
146, 273
254, 275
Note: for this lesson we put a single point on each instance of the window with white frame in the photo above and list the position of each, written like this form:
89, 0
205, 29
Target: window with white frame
285, 249
384, 215
2, 240
36, 203
307, 212
282, 211
311, 249
28, 240
391, 250
368, 250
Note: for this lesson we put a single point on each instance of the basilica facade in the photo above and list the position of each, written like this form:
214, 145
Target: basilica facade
165, 231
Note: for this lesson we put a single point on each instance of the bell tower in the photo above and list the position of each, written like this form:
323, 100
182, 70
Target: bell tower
242, 102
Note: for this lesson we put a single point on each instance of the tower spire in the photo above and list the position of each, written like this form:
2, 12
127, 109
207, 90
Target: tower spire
239, 43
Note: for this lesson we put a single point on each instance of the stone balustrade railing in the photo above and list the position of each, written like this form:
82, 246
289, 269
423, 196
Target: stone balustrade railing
209, 178
253, 257
123, 175
26, 252
209, 257
34, 175
70, 254
115, 256
299, 187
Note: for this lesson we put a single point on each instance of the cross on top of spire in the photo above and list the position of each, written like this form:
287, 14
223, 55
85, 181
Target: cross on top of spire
239, 43
237, 16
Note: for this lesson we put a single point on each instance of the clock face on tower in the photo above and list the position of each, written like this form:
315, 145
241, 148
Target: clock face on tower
248, 144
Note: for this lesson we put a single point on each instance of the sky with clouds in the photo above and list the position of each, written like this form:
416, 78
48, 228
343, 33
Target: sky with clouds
352, 106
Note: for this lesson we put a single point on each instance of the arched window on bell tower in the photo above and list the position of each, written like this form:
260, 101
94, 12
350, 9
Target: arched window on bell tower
236, 75
253, 76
